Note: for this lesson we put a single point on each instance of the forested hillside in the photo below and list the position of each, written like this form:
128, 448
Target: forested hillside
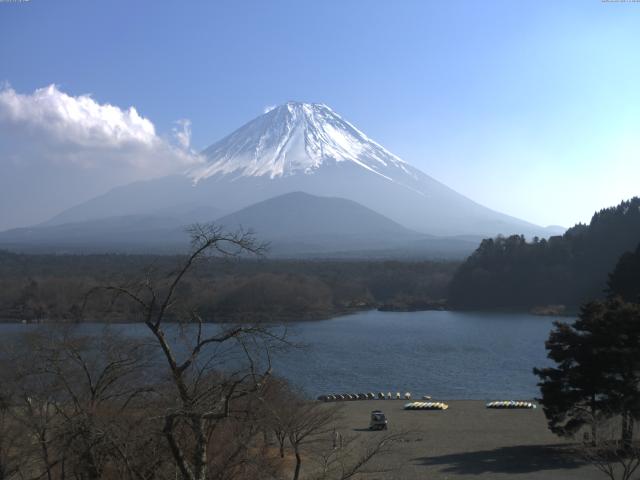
564, 270
624, 281
52, 287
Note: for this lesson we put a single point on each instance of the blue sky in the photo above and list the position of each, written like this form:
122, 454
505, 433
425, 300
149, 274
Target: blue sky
531, 108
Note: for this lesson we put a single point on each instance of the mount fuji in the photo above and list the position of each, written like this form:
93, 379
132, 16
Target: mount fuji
302, 147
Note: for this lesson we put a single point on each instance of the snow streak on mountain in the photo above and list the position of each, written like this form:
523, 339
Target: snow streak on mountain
298, 138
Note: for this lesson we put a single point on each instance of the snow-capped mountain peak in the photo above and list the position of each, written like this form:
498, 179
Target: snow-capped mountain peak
296, 138
306, 147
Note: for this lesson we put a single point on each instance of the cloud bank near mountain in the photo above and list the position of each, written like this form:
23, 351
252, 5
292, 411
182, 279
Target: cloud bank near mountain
81, 147
80, 131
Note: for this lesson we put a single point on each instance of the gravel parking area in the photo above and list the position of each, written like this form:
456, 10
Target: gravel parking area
468, 441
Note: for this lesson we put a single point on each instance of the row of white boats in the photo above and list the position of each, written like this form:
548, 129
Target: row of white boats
444, 406
510, 404
426, 406
367, 396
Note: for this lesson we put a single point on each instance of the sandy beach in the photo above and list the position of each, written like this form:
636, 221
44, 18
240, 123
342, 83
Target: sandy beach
469, 441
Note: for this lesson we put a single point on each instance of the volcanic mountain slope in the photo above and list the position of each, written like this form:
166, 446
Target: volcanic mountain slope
301, 224
300, 215
295, 224
307, 148
309, 224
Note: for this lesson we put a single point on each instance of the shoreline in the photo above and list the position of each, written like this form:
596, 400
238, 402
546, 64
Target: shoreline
308, 317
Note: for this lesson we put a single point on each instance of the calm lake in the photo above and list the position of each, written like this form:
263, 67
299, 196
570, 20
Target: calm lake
449, 355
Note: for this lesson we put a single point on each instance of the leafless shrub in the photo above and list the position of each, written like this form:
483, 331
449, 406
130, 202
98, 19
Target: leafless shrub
615, 458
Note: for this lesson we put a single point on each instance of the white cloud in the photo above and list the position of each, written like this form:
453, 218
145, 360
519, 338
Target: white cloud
49, 125
58, 150
182, 132
76, 119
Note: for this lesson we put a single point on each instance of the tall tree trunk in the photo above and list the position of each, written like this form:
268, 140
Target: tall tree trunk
594, 421
90, 468
200, 453
296, 474
45, 454
281, 438
176, 451
627, 430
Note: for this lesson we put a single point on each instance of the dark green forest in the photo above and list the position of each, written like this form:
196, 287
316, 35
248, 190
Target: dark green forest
624, 281
54, 287
594, 380
567, 270
503, 273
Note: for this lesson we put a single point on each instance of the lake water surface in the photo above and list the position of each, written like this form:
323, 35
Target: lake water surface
449, 355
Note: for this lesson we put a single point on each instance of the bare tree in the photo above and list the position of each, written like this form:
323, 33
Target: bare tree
305, 424
28, 417
241, 451
616, 458
13, 452
71, 398
279, 400
189, 399
310, 430
204, 393
352, 457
